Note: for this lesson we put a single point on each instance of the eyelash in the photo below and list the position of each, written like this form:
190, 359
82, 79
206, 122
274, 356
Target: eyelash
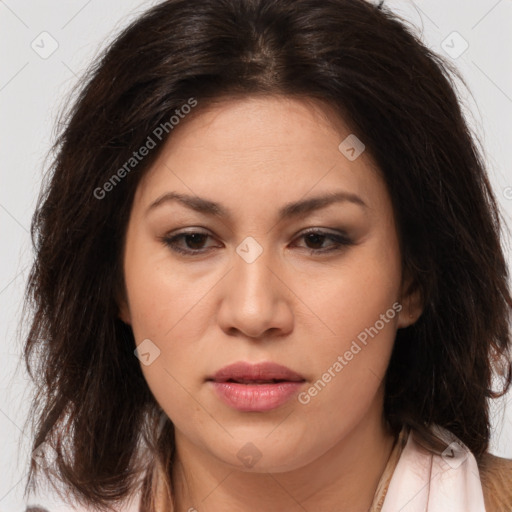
341, 241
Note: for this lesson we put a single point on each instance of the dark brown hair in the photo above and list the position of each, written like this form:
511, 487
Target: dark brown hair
93, 405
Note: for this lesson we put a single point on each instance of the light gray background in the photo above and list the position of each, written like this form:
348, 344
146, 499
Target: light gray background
33, 90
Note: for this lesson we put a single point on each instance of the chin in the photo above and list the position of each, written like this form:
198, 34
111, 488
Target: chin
261, 452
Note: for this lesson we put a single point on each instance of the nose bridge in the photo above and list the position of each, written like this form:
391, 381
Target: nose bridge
253, 276
254, 297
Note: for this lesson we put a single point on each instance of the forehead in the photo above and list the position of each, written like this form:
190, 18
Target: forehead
248, 125
267, 147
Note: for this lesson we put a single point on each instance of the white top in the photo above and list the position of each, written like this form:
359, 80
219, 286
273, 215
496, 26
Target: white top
426, 482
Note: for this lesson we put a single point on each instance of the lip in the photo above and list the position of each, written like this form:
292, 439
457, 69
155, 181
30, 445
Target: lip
255, 387
242, 371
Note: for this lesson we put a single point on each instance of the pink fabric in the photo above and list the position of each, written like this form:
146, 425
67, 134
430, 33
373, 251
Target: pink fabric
426, 482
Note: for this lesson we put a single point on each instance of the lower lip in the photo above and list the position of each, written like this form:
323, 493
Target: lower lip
255, 397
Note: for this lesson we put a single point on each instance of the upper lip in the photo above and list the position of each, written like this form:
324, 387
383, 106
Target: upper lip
267, 371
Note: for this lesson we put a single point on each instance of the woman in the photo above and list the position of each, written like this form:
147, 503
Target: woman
269, 273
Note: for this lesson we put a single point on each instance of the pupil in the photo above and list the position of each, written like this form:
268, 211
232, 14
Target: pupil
196, 238
316, 237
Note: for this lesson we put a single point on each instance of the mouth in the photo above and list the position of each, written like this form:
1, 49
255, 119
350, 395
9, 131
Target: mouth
261, 373
256, 381
255, 387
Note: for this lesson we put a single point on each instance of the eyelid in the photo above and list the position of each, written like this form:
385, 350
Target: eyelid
339, 238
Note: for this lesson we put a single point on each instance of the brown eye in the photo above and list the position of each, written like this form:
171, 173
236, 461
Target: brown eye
317, 238
194, 242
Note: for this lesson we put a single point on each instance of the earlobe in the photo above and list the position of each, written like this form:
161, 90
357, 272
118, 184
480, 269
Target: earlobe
124, 314
120, 297
123, 309
412, 305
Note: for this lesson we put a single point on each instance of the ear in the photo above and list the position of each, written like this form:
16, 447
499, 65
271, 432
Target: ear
412, 303
122, 304
124, 312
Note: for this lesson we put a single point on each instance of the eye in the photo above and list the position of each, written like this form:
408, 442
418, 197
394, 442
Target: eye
318, 236
194, 241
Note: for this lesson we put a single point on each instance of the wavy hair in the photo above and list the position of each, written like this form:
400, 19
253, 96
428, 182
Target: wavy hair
92, 406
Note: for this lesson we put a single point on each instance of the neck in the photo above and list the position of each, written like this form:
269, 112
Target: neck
344, 478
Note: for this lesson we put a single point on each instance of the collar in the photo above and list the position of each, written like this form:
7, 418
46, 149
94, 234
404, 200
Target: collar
419, 480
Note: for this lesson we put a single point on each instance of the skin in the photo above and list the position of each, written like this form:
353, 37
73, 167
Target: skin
302, 310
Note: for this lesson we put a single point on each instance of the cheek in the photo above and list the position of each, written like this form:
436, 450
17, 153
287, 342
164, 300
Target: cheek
174, 320
163, 311
356, 357
354, 295
159, 295
349, 372
166, 308
358, 309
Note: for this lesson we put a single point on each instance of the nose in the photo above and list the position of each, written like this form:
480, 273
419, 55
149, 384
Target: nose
255, 299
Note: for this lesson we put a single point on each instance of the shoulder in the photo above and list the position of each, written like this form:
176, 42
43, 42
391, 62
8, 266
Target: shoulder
496, 478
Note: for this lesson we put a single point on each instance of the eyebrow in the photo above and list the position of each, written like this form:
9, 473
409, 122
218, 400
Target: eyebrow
288, 211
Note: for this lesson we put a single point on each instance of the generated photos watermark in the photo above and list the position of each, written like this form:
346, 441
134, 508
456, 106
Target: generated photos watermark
137, 156
343, 360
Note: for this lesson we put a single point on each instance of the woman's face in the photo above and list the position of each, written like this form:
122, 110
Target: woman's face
251, 288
